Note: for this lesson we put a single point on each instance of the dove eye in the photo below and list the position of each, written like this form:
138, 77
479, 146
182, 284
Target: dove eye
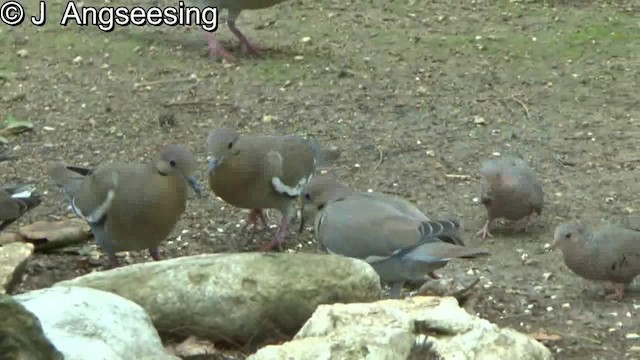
568, 236
307, 196
230, 145
172, 163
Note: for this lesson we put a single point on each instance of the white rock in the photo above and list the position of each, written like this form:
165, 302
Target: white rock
12, 259
394, 329
85, 323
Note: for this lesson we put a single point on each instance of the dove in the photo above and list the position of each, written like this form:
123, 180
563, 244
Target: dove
259, 171
15, 202
510, 190
130, 206
389, 233
234, 8
610, 254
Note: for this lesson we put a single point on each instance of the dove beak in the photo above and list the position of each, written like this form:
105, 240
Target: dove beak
195, 185
213, 164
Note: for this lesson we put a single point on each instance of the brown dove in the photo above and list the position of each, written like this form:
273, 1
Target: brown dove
130, 206
392, 235
14, 203
610, 254
510, 190
234, 8
259, 171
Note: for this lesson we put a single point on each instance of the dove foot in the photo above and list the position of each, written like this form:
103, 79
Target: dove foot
279, 236
618, 291
523, 224
484, 232
217, 50
435, 276
256, 216
247, 46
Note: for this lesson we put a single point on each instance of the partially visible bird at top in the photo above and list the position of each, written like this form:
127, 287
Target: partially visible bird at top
234, 8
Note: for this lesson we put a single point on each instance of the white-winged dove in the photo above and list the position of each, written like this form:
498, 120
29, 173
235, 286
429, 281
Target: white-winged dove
14, 203
234, 8
510, 190
392, 235
610, 254
258, 171
130, 206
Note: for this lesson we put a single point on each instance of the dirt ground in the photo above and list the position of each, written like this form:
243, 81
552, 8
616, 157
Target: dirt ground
411, 91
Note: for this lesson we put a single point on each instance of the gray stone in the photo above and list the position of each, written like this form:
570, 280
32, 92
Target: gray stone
244, 298
21, 335
13, 257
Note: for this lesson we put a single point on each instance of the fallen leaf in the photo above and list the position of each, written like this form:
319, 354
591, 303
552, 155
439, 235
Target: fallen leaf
14, 126
542, 336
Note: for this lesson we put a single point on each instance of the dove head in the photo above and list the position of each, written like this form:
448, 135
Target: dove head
220, 144
320, 191
176, 160
567, 235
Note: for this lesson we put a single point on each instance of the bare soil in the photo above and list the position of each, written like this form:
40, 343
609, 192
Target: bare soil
411, 91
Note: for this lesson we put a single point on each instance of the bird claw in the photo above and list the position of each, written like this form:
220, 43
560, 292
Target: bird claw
218, 52
618, 292
252, 48
483, 233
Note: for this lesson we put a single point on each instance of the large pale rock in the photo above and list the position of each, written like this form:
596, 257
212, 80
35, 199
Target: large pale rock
12, 260
246, 297
21, 335
432, 327
85, 324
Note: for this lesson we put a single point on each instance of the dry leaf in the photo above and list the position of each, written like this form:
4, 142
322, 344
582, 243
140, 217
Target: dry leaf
542, 336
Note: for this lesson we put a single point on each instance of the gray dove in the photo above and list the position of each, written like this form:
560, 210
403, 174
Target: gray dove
610, 254
14, 202
510, 190
393, 236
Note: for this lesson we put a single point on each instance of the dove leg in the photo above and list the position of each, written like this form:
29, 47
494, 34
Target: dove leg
484, 232
618, 291
255, 216
523, 224
154, 252
287, 215
247, 45
97, 229
216, 49
279, 236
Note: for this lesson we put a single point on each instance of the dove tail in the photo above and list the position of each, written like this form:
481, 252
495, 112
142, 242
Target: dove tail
440, 230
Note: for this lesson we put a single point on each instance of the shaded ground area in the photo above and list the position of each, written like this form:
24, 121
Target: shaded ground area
412, 91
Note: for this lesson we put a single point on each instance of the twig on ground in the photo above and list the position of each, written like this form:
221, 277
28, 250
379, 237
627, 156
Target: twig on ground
165, 81
380, 158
